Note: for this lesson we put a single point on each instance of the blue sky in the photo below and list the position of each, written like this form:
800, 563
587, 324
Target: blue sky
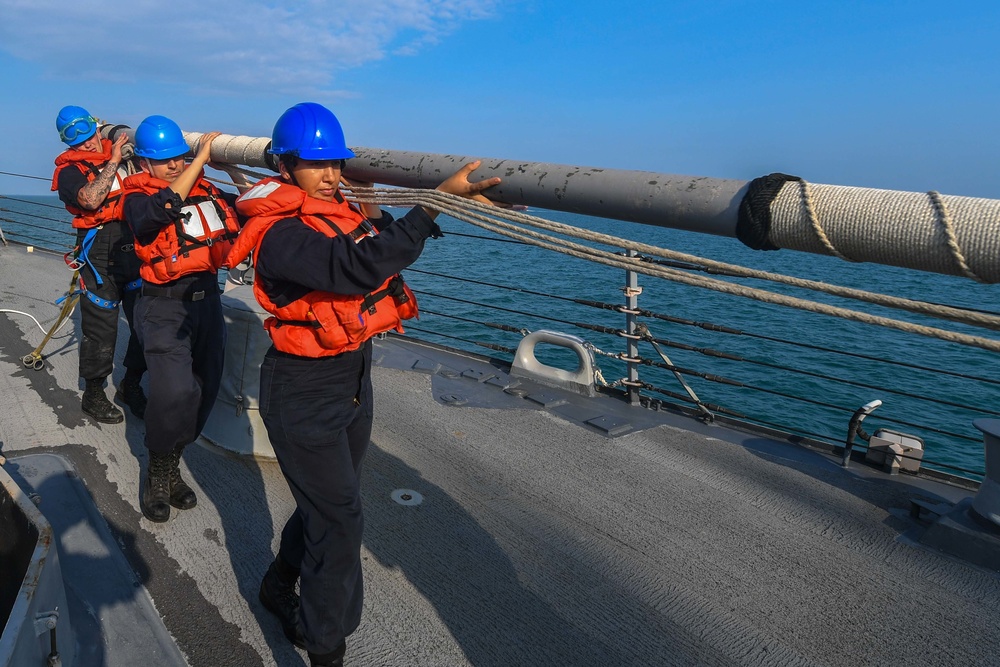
892, 94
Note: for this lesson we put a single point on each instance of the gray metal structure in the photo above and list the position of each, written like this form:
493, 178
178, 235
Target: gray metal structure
707, 205
926, 231
35, 613
695, 203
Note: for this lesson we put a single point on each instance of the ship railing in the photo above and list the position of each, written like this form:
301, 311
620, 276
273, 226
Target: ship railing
718, 369
627, 364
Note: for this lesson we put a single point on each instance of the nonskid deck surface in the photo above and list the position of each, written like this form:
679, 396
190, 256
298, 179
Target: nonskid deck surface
538, 541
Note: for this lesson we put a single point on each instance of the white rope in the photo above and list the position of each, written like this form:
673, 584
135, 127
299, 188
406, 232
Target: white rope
39, 324
938, 233
949, 231
474, 213
405, 197
810, 209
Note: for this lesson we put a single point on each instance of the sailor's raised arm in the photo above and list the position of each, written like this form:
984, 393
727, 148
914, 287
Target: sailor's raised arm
185, 181
93, 194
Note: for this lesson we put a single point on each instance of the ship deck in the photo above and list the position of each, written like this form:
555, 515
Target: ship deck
539, 540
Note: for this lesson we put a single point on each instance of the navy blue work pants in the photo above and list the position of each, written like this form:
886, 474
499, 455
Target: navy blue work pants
185, 346
113, 256
318, 415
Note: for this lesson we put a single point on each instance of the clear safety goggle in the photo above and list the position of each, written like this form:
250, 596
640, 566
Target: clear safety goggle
76, 127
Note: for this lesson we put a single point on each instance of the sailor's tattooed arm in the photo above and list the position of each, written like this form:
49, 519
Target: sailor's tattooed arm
93, 194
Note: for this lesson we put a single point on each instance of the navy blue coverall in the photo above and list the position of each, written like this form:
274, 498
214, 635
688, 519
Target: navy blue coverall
112, 255
183, 334
318, 413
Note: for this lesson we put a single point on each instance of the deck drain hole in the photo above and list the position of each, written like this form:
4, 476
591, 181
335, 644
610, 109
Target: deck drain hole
453, 399
406, 497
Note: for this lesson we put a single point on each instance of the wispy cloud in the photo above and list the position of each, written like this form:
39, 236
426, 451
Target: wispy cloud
226, 45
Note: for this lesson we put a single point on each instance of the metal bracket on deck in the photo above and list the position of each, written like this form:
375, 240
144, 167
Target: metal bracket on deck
526, 365
46, 621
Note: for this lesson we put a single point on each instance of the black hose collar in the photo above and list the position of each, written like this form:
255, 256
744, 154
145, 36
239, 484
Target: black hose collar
753, 224
270, 159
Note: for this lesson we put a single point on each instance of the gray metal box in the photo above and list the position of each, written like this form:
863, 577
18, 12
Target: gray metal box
894, 451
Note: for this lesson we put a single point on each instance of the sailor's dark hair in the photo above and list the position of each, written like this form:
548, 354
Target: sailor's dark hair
291, 160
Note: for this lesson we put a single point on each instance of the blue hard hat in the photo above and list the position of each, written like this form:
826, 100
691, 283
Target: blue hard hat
311, 132
159, 138
75, 125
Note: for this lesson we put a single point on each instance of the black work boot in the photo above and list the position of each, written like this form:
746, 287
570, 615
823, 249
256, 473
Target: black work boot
181, 495
97, 406
131, 394
333, 659
155, 501
277, 594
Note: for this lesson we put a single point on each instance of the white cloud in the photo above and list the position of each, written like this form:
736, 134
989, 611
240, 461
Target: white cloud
226, 45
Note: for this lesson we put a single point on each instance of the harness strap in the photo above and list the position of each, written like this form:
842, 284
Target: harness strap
185, 242
393, 289
312, 324
68, 295
103, 303
188, 243
96, 300
364, 228
85, 246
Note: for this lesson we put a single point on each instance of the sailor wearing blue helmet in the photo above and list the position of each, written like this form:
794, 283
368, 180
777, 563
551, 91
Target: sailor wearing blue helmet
89, 176
328, 273
183, 228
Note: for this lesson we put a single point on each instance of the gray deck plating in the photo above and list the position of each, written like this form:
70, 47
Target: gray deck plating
539, 540
112, 616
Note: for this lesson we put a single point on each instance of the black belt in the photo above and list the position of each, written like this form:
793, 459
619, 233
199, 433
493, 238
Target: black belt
188, 293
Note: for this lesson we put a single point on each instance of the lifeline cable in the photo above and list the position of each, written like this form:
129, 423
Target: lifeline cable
708, 326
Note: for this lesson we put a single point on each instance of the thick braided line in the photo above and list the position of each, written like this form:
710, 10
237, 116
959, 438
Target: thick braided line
405, 196
892, 228
807, 204
944, 218
232, 149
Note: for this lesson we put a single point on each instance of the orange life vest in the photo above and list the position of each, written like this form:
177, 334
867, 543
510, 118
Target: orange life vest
320, 324
198, 241
90, 164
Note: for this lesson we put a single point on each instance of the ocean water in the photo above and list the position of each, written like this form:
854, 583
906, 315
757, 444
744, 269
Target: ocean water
946, 429
939, 408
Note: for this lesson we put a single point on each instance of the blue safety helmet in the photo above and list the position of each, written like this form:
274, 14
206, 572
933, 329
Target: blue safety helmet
309, 131
159, 138
75, 125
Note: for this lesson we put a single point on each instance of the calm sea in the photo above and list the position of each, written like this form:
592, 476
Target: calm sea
938, 408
